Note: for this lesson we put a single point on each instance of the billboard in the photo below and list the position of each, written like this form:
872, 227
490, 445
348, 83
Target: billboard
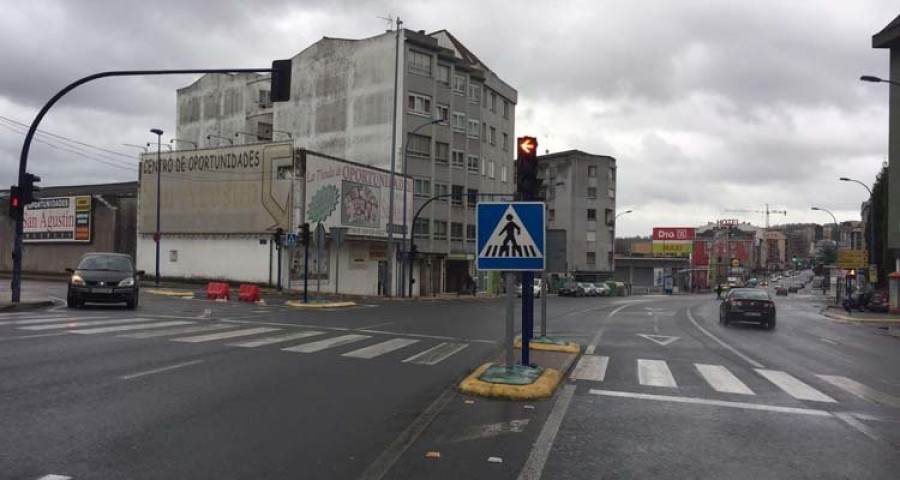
245, 189
849, 259
345, 194
57, 220
673, 241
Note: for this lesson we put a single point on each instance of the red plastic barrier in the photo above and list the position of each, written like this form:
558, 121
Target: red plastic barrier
217, 290
248, 293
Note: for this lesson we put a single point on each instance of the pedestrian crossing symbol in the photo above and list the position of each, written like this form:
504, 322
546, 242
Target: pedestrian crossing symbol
510, 235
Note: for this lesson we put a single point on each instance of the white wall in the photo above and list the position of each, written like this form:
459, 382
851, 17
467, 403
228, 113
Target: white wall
234, 258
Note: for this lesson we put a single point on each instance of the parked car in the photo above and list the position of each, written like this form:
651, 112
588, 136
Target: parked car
537, 288
781, 290
572, 289
104, 278
748, 305
793, 288
602, 290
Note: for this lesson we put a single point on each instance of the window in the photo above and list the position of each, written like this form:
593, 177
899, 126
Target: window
484, 167
440, 229
472, 196
459, 84
457, 194
474, 93
552, 173
592, 171
419, 145
264, 131
610, 217
491, 169
459, 122
458, 159
505, 142
483, 132
591, 258
420, 63
470, 232
473, 128
441, 152
492, 135
265, 98
419, 104
421, 187
441, 189
503, 177
592, 193
506, 109
443, 112
456, 231
611, 175
591, 236
493, 102
612, 194
443, 74
422, 227
592, 214
551, 215
473, 163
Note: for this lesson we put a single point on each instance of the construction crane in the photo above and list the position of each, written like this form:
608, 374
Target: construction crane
768, 211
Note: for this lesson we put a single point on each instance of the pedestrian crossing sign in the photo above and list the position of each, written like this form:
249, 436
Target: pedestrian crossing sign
511, 235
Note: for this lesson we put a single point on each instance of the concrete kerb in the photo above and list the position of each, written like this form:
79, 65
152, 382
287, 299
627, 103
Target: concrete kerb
299, 304
26, 305
169, 292
543, 387
568, 347
844, 318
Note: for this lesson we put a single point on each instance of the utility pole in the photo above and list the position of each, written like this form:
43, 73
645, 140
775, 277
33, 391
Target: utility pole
389, 274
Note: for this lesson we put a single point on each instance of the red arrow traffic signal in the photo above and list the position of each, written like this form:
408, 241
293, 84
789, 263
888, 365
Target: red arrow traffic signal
527, 145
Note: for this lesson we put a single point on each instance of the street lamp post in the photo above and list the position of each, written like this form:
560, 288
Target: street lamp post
183, 141
405, 263
871, 233
873, 79
613, 246
156, 236
230, 141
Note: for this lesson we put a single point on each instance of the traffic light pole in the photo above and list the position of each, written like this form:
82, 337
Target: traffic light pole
29, 137
527, 186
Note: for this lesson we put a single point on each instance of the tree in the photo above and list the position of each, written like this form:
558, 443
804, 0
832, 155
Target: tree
880, 254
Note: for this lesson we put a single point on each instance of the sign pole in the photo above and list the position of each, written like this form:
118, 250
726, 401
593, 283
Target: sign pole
510, 320
544, 304
305, 271
279, 248
527, 315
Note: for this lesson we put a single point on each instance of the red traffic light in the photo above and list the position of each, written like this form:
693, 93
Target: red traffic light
527, 146
14, 201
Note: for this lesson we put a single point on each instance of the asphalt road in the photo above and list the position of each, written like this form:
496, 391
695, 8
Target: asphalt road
199, 389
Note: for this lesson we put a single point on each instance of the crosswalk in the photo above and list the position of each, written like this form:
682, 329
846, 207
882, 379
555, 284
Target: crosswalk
369, 346
720, 379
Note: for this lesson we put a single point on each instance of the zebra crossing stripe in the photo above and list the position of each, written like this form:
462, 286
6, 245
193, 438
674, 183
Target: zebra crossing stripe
794, 387
178, 331
860, 390
125, 328
590, 367
722, 380
79, 324
53, 319
437, 354
276, 339
326, 344
223, 335
655, 373
381, 348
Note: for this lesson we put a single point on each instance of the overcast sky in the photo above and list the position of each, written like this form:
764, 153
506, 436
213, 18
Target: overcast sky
706, 105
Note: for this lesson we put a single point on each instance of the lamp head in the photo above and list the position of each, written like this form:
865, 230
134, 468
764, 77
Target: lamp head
156, 131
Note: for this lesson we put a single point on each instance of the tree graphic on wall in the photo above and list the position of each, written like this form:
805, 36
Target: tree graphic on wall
323, 204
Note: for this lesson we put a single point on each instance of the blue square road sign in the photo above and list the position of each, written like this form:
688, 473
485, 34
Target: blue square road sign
511, 235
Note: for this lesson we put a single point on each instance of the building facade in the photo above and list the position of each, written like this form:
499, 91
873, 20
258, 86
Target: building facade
342, 105
580, 191
889, 38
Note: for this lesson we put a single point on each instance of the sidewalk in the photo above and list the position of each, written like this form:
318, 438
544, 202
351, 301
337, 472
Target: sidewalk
26, 304
860, 317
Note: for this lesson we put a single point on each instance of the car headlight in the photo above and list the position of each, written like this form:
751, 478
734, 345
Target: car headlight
77, 280
128, 282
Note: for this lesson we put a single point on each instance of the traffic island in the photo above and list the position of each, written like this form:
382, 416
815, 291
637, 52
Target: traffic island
511, 383
169, 292
549, 344
25, 305
318, 304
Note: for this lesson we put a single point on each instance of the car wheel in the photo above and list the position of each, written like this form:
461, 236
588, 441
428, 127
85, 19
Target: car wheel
770, 325
71, 302
725, 320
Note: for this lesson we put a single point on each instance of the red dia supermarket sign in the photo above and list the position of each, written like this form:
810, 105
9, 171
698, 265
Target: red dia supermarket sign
672, 234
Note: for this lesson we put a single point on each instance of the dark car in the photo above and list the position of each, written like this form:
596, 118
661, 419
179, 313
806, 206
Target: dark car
104, 278
781, 290
572, 289
748, 305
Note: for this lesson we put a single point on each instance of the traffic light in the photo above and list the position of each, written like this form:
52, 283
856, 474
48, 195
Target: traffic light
527, 168
29, 188
277, 236
280, 88
304, 234
15, 202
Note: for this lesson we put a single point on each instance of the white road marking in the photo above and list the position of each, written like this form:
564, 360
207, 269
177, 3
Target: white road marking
592, 348
178, 331
861, 390
79, 324
125, 328
828, 341
794, 387
655, 373
161, 369
326, 344
662, 340
534, 466
590, 368
40, 335
717, 403
276, 339
436, 354
722, 380
490, 430
223, 335
849, 419
728, 347
54, 477
381, 348
52, 319
433, 337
